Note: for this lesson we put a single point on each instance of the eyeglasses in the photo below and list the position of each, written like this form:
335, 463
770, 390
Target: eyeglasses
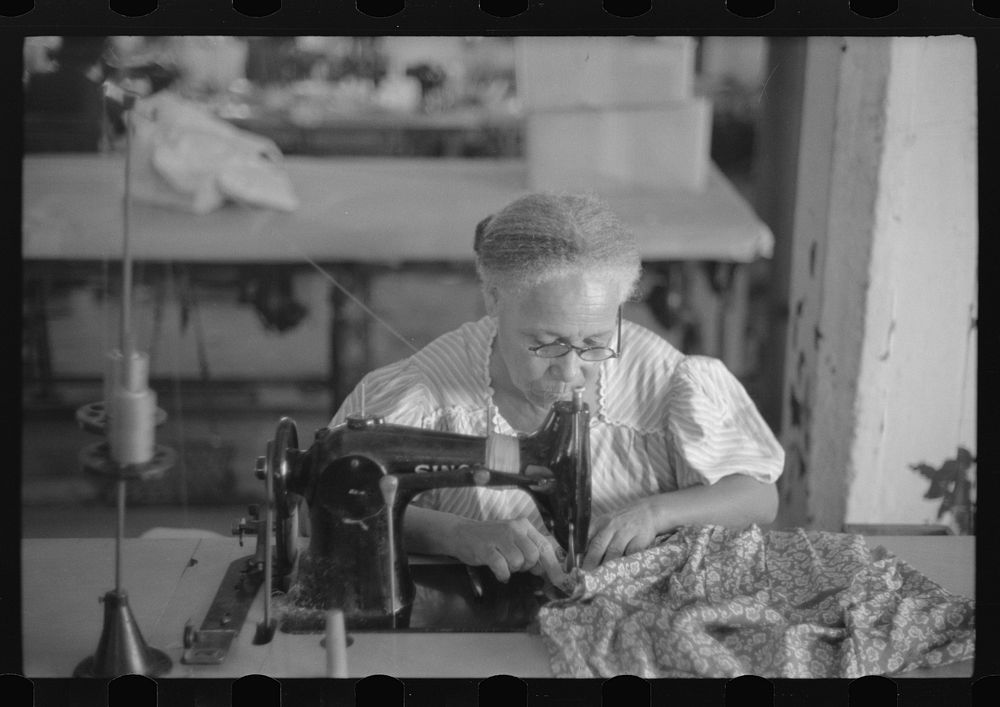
558, 349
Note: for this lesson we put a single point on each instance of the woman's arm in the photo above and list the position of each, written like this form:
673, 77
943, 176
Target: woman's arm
735, 500
429, 532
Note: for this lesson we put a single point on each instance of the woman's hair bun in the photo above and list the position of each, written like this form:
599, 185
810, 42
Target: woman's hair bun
481, 231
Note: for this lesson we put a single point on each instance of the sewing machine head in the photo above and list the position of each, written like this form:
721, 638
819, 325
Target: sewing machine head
357, 479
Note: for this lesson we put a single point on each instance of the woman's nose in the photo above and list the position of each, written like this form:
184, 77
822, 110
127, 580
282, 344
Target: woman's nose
566, 368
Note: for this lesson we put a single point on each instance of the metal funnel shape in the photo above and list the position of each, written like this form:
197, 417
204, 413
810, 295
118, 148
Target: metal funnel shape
122, 649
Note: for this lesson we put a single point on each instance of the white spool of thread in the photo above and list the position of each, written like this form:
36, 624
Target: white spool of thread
336, 644
112, 368
503, 453
132, 410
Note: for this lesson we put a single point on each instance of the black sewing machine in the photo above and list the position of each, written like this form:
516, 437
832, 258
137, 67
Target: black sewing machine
356, 480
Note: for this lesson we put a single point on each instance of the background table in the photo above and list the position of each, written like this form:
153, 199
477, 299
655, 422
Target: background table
357, 210
359, 216
173, 581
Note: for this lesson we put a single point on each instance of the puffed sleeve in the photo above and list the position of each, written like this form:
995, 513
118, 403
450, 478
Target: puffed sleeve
715, 429
394, 392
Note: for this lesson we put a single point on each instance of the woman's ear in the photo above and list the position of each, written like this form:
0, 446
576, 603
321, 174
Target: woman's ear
492, 300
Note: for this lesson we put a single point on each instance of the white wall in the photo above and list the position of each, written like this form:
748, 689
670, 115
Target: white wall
916, 392
880, 364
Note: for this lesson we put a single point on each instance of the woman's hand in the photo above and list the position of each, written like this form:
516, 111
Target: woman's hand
734, 501
506, 546
624, 532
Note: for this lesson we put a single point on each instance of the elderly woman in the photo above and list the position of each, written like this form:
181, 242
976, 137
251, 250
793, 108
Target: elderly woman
675, 440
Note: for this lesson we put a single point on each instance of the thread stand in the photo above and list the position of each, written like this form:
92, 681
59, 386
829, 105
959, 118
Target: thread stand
122, 650
127, 418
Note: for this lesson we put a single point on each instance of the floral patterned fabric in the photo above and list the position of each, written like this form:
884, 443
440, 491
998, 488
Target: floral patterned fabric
716, 602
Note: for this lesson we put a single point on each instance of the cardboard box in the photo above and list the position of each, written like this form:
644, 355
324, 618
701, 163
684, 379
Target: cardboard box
555, 73
658, 148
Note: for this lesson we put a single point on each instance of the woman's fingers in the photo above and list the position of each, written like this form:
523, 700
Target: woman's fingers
527, 540
610, 545
515, 546
637, 544
511, 558
629, 531
615, 548
512, 546
596, 549
499, 565
509, 545
548, 561
596, 526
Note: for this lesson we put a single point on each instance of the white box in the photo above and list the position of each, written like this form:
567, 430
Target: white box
658, 148
566, 72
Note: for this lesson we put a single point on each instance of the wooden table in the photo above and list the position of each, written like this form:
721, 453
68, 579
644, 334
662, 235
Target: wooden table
173, 581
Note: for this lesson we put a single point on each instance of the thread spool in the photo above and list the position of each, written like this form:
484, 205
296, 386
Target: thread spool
112, 368
112, 377
503, 453
131, 409
336, 644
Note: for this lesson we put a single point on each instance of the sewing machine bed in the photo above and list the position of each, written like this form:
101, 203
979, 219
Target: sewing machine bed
445, 601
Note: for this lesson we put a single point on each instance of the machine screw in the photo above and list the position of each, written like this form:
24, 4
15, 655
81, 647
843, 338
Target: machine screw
241, 527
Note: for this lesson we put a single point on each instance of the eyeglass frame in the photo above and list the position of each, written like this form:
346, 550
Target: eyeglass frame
581, 350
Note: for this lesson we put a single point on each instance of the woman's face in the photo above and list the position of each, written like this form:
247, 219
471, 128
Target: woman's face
574, 309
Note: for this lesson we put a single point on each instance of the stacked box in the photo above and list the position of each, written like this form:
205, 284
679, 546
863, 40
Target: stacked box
618, 110
665, 147
556, 73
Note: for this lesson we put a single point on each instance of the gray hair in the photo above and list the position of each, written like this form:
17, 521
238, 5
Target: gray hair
542, 236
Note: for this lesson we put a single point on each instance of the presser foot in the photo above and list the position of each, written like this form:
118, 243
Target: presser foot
210, 644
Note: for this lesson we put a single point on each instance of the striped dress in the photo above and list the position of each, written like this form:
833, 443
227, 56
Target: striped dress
664, 421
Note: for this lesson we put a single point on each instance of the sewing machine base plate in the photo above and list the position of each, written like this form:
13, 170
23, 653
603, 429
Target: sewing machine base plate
445, 602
